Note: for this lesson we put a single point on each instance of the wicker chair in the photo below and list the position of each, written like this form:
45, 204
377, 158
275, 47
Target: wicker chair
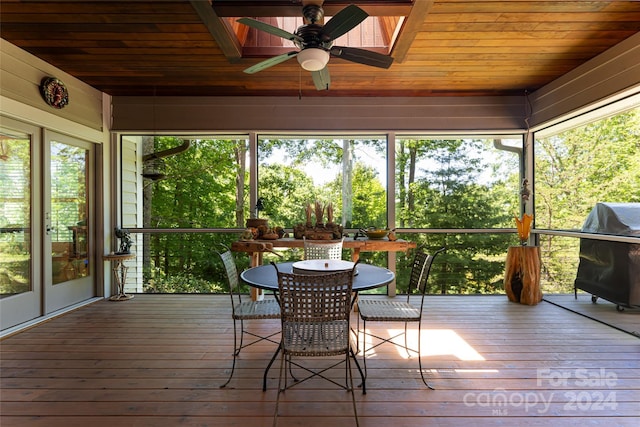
392, 310
318, 249
245, 310
316, 323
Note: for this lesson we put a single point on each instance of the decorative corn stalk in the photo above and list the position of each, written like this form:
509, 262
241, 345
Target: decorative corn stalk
330, 213
524, 227
319, 213
307, 211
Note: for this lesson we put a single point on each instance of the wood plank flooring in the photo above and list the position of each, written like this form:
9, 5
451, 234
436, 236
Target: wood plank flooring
603, 311
158, 360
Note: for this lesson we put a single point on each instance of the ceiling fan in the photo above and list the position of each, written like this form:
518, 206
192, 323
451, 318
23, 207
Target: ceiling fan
315, 42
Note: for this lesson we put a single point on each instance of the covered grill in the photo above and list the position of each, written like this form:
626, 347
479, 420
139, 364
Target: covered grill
611, 270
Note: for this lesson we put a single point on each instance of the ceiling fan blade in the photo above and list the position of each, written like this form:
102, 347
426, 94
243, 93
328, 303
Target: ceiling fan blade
275, 60
342, 22
263, 26
362, 56
321, 79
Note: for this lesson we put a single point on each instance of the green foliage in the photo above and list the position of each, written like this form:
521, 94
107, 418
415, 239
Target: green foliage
187, 255
440, 184
199, 192
598, 162
303, 155
14, 270
285, 190
450, 195
200, 187
369, 197
182, 283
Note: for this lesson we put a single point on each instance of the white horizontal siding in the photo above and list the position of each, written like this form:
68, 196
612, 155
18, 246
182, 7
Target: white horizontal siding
132, 210
21, 74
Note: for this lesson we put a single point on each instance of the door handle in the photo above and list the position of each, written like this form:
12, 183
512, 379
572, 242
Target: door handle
47, 226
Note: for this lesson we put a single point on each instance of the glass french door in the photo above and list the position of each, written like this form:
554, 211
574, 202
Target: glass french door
46, 222
20, 281
68, 225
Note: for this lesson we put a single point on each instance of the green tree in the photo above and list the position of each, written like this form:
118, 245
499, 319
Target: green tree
328, 153
286, 190
597, 162
200, 191
408, 153
450, 195
369, 197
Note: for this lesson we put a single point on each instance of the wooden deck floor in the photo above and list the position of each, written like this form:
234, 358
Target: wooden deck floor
627, 320
157, 360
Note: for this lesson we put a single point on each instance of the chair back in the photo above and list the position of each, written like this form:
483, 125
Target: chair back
231, 272
309, 302
314, 249
420, 270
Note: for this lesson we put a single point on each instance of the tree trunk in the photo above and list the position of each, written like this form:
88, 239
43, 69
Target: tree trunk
402, 193
411, 204
241, 165
347, 186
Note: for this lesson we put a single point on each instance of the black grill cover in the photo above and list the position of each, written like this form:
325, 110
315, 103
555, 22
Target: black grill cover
611, 270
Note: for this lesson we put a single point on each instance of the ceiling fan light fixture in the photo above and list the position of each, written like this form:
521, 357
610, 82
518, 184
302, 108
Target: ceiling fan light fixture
313, 59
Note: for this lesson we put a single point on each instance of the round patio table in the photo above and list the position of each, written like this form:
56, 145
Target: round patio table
265, 277
367, 276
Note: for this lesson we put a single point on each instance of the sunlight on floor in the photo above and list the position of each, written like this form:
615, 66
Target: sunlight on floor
435, 342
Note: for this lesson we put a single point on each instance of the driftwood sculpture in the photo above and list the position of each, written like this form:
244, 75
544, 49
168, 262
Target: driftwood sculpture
522, 275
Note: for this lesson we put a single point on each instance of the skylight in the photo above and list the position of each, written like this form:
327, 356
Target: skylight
374, 33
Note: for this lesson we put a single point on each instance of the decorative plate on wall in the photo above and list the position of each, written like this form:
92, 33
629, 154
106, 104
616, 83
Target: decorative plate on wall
54, 92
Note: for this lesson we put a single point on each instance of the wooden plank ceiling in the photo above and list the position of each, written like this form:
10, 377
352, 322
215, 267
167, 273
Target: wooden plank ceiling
447, 47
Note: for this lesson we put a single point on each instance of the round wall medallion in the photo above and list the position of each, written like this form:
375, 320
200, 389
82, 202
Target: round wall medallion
54, 92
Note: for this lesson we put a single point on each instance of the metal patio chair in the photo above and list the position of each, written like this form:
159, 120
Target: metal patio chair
318, 249
395, 310
315, 316
245, 310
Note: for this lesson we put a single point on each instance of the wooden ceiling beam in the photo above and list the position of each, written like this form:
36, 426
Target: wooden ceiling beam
410, 28
219, 29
